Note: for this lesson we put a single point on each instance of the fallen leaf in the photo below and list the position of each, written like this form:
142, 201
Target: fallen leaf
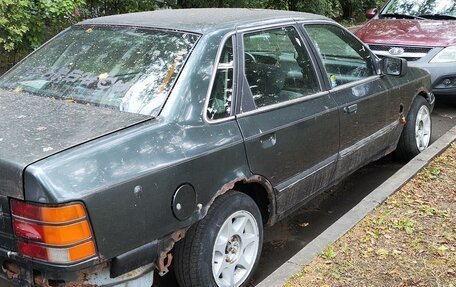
382, 252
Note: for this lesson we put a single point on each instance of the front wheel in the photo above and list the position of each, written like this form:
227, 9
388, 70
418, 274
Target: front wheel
416, 134
223, 249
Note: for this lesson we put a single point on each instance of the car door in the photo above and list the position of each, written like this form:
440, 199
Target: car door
290, 126
359, 92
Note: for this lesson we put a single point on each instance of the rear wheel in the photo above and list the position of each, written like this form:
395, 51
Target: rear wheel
416, 134
223, 248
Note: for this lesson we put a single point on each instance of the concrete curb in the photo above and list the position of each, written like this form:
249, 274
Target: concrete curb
280, 276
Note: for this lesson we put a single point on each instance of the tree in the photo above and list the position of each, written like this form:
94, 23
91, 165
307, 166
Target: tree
97, 8
25, 24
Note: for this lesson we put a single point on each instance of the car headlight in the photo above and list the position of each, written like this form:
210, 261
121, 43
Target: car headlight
445, 56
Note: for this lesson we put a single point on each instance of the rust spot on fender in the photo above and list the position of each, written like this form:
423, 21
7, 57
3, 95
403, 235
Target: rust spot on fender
253, 179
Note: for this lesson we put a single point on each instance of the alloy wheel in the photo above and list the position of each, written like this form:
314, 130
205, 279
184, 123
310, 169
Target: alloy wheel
235, 249
423, 128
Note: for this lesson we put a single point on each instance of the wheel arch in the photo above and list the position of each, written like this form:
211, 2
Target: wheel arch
259, 189
420, 92
426, 94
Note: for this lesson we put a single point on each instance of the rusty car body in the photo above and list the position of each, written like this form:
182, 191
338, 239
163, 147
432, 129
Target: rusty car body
131, 141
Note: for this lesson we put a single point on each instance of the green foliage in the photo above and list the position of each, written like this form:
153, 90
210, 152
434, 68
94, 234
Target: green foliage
97, 8
25, 24
329, 252
351, 10
404, 224
14, 22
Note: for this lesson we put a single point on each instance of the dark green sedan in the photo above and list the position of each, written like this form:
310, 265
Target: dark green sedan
132, 142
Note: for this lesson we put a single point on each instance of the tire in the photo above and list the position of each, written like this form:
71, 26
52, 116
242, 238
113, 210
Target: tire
234, 222
416, 134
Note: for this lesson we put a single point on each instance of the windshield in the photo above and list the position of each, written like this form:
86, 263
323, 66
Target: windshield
125, 68
421, 7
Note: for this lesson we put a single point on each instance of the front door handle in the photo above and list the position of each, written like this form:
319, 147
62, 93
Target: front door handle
351, 109
268, 140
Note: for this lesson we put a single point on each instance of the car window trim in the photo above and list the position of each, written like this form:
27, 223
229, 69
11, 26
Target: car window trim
306, 46
265, 27
229, 36
315, 55
283, 104
354, 83
388, 3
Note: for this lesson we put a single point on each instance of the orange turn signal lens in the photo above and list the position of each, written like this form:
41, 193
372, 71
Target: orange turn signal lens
81, 251
51, 234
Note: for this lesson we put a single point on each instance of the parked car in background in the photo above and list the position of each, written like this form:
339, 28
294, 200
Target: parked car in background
421, 31
129, 142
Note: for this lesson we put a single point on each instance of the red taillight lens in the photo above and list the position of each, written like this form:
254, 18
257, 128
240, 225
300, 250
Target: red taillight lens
61, 214
32, 250
58, 234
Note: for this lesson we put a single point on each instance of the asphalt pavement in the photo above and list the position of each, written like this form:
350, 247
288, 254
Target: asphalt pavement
287, 237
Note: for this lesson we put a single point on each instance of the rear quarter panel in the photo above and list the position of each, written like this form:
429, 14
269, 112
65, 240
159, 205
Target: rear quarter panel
158, 155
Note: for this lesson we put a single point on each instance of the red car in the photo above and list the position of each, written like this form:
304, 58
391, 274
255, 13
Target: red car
421, 31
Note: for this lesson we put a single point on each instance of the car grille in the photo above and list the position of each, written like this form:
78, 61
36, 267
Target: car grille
410, 53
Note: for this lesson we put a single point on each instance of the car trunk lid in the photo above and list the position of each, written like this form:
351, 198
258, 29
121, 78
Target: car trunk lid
33, 127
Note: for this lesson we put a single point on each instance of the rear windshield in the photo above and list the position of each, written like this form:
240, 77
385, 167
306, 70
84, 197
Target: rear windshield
421, 7
124, 68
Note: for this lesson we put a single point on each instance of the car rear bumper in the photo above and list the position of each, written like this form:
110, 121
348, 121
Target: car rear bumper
22, 272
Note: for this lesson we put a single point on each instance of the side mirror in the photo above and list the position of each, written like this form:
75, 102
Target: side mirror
394, 66
371, 13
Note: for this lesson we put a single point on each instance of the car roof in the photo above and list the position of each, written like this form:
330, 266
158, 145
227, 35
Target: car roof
202, 20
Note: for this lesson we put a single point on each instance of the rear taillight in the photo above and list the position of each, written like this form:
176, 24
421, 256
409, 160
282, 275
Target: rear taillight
56, 234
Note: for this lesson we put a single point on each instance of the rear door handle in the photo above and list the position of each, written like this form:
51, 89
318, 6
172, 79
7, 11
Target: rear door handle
351, 109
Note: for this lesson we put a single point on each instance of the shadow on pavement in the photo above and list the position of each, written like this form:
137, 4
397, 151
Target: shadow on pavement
287, 237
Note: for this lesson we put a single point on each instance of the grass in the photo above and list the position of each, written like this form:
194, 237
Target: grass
409, 240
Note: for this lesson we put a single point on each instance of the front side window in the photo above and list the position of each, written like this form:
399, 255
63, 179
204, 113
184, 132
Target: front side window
345, 58
125, 68
278, 67
219, 105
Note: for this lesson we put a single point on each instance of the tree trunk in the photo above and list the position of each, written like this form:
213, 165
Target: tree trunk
347, 9
292, 5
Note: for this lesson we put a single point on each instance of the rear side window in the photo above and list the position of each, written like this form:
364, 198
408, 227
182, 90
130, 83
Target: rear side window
278, 67
345, 58
219, 105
